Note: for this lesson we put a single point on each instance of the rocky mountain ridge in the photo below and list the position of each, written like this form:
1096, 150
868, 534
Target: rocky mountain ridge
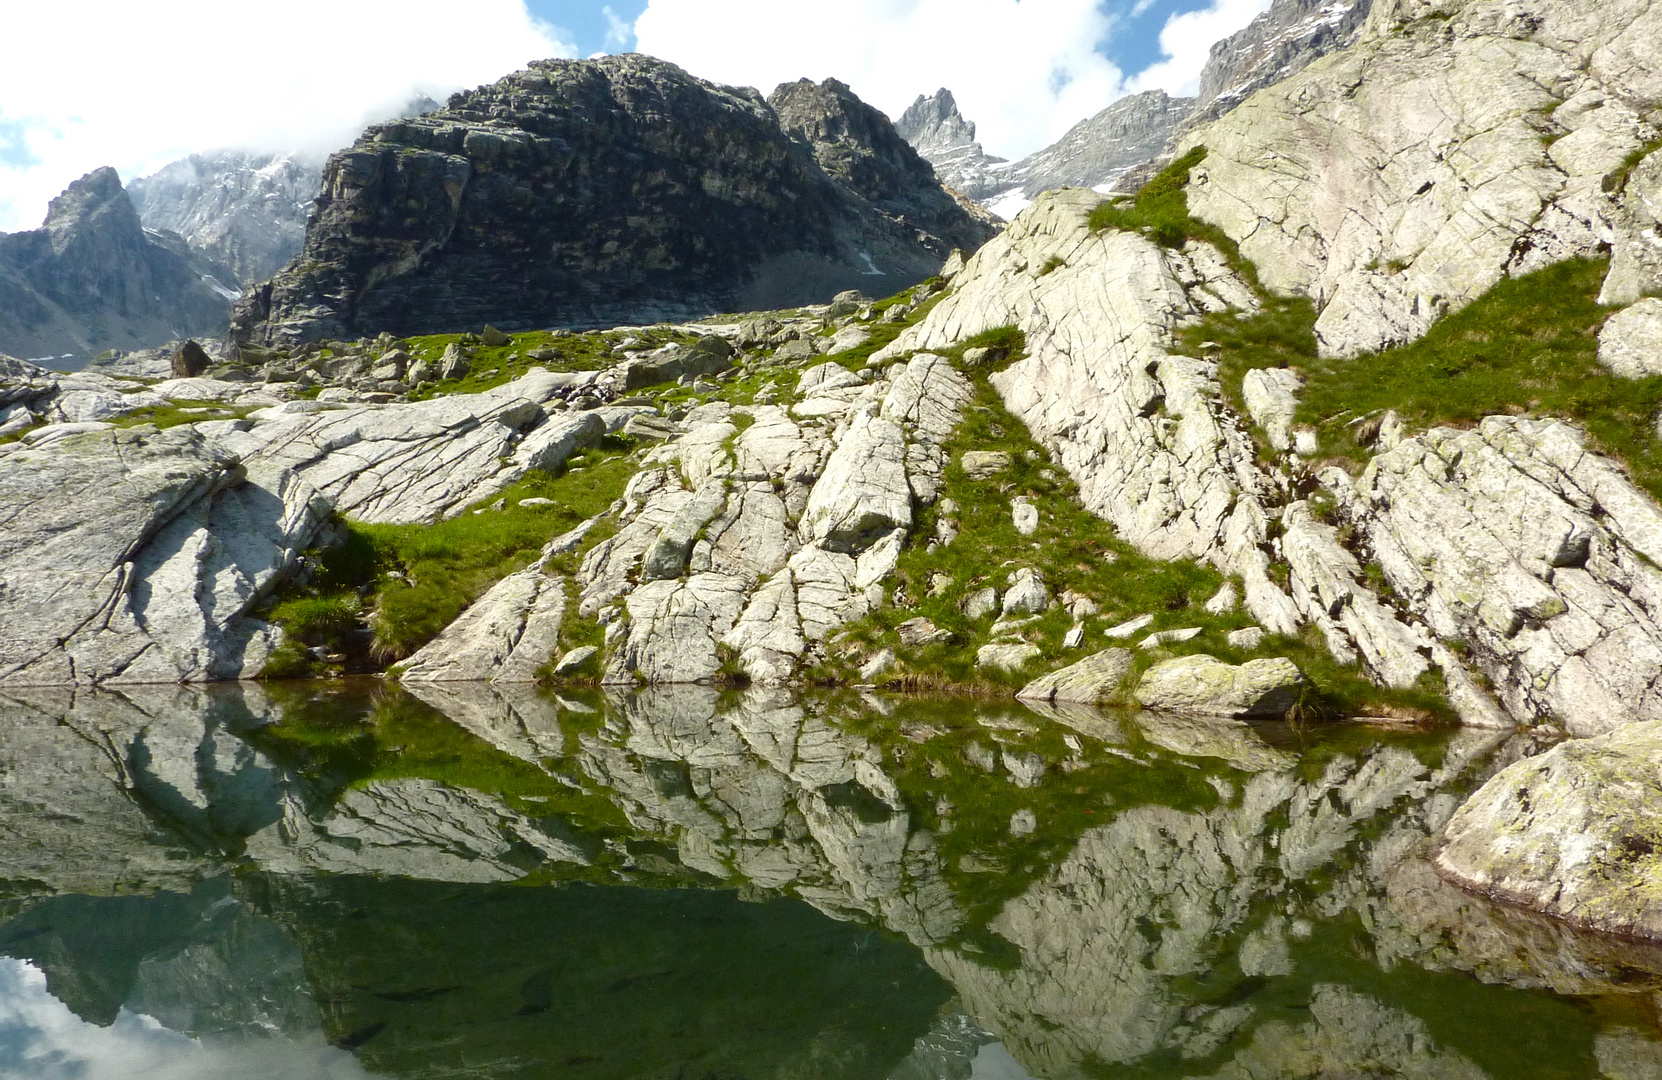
1111, 150
245, 211
92, 278
604, 191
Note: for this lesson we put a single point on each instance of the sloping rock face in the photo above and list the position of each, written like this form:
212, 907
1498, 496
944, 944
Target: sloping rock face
1457, 143
92, 278
246, 212
1536, 552
136, 556
603, 191
1154, 450
421, 461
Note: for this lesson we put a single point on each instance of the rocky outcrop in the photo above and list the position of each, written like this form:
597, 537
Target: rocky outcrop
1537, 553
761, 530
246, 212
137, 556
1457, 143
1205, 686
506, 636
93, 278
606, 191
1280, 42
1572, 832
421, 461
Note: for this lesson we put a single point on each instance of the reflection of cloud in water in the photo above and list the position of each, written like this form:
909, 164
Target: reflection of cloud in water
993, 1062
41, 1039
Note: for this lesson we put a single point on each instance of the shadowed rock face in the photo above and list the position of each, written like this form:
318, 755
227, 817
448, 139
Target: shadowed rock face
91, 278
618, 189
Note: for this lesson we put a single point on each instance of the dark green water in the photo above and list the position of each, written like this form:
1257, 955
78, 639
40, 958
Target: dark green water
351, 881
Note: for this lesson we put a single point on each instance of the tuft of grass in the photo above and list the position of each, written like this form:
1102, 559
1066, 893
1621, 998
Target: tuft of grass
1615, 181
1528, 346
1160, 210
177, 413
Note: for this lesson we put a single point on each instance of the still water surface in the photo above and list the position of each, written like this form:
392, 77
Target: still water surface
354, 881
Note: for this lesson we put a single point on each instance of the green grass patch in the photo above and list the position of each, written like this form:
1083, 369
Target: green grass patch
177, 413
495, 366
406, 583
1528, 346
1160, 210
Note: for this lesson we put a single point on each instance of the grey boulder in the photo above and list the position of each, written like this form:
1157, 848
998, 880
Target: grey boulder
1207, 686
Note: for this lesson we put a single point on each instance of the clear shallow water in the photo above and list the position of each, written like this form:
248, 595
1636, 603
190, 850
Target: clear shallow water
351, 881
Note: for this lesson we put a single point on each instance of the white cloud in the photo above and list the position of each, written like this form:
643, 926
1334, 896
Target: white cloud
42, 1039
619, 33
1023, 70
1186, 41
110, 82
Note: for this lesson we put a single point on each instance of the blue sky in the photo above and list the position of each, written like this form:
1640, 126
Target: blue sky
1023, 70
1133, 44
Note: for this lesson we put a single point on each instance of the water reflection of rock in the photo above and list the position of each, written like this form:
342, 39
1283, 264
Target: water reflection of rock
1172, 936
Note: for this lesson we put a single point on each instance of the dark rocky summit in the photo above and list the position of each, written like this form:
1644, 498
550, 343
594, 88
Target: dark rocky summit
93, 278
610, 190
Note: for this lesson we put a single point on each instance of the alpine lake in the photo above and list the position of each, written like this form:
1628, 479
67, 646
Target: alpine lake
352, 879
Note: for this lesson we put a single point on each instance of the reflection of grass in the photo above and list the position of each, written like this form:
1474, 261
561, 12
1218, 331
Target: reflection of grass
393, 736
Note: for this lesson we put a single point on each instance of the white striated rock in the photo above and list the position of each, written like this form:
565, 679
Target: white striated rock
1457, 143
1538, 554
135, 556
1027, 594
864, 491
1024, 515
1129, 627
981, 603
1094, 679
1572, 832
505, 636
1271, 396
1006, 657
1631, 342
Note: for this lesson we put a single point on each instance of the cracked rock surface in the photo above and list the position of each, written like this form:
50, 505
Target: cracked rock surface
1458, 142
